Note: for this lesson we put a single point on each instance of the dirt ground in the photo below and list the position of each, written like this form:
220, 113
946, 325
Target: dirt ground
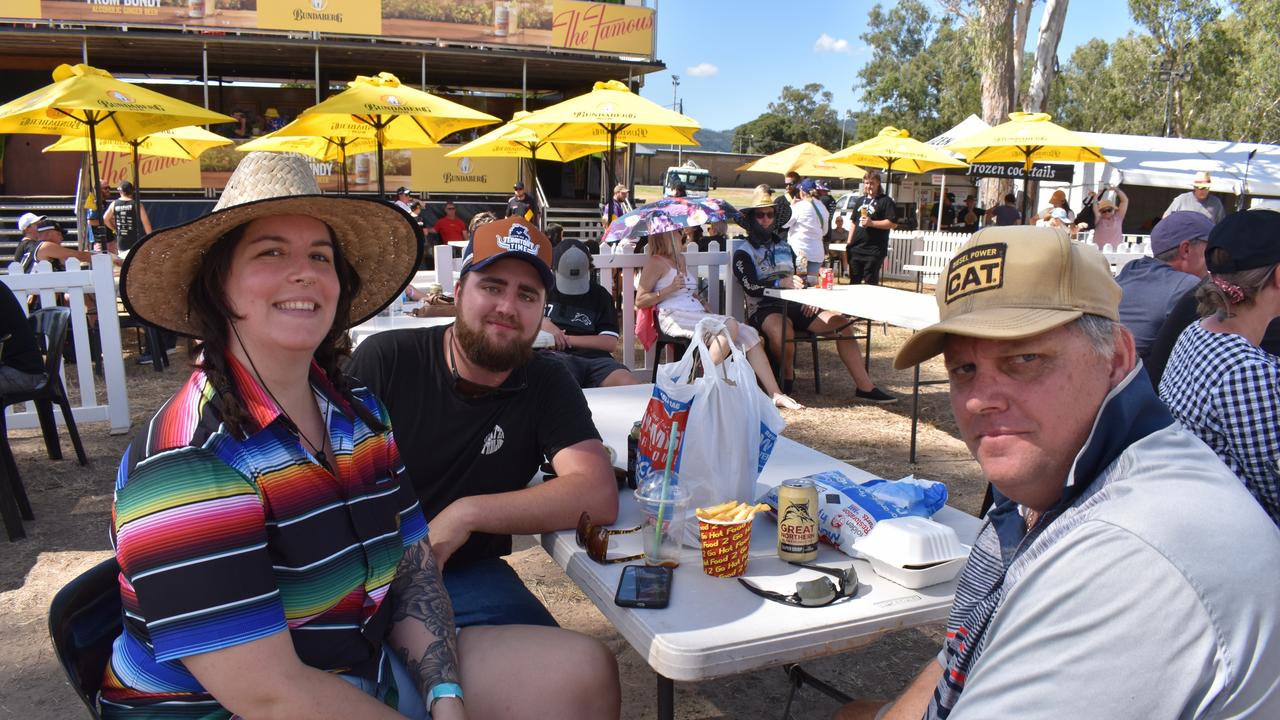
73, 505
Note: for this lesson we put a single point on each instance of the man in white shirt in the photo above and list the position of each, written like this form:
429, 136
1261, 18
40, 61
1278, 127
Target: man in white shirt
403, 199
1199, 200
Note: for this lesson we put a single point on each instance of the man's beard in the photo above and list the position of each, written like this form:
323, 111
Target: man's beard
491, 356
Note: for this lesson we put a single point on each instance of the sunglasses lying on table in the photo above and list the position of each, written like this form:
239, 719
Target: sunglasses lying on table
595, 539
813, 593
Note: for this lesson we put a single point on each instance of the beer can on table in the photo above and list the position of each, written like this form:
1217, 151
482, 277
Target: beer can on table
798, 520
633, 451
827, 277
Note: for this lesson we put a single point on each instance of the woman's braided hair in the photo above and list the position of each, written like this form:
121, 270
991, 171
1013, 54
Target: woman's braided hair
211, 314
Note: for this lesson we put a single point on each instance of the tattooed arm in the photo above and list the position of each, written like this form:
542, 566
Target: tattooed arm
422, 632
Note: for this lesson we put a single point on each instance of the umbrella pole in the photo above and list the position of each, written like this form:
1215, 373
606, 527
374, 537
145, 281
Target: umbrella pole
533, 167
342, 147
382, 187
93, 160
137, 192
942, 198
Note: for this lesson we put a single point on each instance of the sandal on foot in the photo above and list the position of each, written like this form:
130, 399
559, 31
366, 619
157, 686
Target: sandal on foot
786, 402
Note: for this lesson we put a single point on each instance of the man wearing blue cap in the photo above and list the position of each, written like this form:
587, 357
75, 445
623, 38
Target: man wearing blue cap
475, 411
1153, 285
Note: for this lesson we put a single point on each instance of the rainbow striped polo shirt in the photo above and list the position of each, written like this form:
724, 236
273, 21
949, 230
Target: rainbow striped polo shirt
226, 539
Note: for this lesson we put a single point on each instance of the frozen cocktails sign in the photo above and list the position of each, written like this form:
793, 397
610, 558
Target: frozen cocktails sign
602, 27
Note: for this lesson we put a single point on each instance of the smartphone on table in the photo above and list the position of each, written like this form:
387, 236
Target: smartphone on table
642, 586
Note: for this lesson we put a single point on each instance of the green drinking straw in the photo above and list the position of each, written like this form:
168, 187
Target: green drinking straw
666, 478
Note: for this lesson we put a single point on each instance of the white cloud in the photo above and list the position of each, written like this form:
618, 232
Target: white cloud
702, 70
828, 44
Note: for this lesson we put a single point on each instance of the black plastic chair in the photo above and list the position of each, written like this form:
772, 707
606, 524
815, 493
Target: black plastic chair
85, 618
679, 344
51, 323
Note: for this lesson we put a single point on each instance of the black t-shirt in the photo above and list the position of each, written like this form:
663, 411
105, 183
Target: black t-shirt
522, 207
20, 351
453, 446
589, 314
128, 229
872, 242
963, 211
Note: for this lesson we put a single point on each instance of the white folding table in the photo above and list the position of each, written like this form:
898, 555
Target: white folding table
714, 627
875, 303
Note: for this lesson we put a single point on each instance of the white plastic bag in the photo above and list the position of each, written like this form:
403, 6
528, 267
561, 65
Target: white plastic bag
731, 425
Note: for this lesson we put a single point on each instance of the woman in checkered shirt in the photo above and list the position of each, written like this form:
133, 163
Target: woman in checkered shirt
1219, 383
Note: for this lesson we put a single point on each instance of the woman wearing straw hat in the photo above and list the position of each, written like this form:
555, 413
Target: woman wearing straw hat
273, 559
665, 282
767, 261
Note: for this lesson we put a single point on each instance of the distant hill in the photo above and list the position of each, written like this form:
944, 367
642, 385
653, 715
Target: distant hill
714, 140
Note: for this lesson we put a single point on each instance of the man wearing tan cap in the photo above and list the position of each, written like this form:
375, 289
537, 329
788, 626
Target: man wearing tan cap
1199, 200
1106, 580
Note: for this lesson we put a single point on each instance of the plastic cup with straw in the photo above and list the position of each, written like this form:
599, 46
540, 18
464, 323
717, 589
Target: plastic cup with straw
666, 480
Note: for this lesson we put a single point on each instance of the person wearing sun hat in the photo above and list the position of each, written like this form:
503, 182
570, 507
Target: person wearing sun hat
261, 519
1113, 531
1198, 199
477, 412
766, 261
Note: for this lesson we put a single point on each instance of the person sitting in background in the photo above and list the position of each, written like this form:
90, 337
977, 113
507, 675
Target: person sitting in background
693, 236
21, 363
581, 319
1153, 285
665, 283
1059, 200
415, 212
450, 227
1109, 210
27, 227
1006, 214
404, 198
274, 561
555, 236
481, 218
273, 120
1219, 383
49, 239
1106, 581
765, 261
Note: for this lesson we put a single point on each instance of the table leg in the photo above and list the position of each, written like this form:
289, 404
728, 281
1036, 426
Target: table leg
915, 411
666, 698
866, 356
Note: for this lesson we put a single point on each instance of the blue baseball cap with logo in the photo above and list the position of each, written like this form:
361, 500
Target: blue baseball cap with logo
513, 237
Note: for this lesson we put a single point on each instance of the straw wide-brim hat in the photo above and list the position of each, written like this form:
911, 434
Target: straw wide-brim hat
759, 199
379, 240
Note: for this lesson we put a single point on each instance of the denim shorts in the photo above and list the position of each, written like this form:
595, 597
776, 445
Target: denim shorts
410, 702
489, 592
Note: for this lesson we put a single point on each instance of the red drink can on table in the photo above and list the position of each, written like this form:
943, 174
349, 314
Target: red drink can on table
827, 278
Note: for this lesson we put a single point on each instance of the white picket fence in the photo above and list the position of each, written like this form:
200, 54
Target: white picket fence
711, 266
98, 280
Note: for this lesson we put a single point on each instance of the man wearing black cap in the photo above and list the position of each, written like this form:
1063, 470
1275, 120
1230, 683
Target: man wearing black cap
523, 205
404, 199
581, 318
476, 411
127, 218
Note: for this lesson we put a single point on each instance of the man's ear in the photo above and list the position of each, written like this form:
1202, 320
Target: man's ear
1125, 355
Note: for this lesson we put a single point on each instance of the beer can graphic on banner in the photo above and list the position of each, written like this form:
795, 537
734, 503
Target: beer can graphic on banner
798, 520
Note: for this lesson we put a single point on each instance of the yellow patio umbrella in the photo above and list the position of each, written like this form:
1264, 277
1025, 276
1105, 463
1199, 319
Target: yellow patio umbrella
512, 140
395, 113
895, 149
184, 143
1026, 138
611, 113
85, 101
805, 159
333, 147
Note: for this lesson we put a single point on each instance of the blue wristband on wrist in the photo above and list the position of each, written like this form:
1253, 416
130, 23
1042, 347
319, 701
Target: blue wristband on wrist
443, 690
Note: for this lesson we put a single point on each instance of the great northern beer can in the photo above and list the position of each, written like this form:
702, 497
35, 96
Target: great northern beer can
798, 520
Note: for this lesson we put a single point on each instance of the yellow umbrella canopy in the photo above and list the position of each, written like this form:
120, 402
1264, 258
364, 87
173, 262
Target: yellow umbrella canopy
895, 149
512, 140
1026, 138
185, 143
805, 159
395, 113
327, 149
89, 102
611, 113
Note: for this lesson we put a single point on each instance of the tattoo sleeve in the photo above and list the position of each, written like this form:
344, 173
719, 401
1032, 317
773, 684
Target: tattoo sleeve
419, 597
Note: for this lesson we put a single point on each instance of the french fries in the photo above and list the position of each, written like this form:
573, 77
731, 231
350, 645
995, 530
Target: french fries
732, 511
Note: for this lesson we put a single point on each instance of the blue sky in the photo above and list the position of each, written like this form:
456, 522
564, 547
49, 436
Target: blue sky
733, 58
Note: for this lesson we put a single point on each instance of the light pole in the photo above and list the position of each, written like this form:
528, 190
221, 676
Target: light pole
843, 121
1169, 73
675, 87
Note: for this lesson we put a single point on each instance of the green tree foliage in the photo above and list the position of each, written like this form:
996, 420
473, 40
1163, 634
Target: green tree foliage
921, 76
798, 115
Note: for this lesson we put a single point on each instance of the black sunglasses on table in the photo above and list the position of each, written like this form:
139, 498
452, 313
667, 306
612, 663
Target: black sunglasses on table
813, 593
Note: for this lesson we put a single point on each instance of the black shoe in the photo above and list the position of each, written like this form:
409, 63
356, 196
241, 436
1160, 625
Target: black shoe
144, 359
876, 395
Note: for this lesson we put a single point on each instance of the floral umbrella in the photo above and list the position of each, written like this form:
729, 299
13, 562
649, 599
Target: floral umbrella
667, 215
